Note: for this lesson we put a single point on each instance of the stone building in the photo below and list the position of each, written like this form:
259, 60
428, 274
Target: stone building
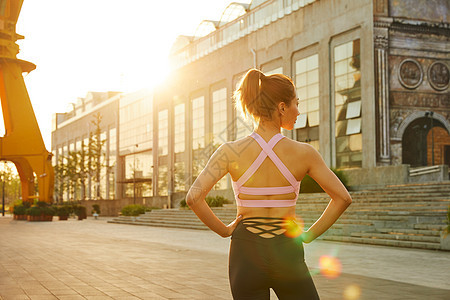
372, 77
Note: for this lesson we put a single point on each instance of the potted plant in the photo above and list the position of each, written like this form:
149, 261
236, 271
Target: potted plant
34, 213
47, 213
80, 211
63, 212
41, 211
19, 211
95, 210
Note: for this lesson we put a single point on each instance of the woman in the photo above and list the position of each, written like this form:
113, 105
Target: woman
266, 169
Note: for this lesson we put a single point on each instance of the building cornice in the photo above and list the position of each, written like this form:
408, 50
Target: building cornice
415, 26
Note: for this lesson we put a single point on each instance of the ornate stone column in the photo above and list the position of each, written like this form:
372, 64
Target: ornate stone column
381, 44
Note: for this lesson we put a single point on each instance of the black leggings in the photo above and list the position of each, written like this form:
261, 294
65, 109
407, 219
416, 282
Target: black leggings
257, 264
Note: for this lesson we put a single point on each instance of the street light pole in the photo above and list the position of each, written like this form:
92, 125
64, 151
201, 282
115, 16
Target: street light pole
3, 190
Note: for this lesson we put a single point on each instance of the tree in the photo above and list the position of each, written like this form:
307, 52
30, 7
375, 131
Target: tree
60, 182
96, 155
12, 184
74, 169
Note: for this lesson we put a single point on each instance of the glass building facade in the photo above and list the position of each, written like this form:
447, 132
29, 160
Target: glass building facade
347, 81
159, 142
307, 83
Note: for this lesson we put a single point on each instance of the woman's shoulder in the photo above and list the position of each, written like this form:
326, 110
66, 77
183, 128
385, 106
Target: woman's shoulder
237, 146
297, 146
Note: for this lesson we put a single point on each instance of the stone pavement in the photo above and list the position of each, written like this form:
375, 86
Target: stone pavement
91, 259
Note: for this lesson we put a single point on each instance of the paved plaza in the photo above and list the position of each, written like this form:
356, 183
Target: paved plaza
92, 259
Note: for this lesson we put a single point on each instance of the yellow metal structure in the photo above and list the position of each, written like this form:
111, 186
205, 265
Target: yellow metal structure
22, 144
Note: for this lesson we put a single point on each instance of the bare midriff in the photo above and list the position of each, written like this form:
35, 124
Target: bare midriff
266, 212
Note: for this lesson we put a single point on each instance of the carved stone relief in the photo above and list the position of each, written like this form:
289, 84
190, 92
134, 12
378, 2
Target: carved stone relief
418, 99
438, 76
410, 73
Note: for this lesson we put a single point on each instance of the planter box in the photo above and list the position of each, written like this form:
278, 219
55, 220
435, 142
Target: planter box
39, 218
63, 218
20, 217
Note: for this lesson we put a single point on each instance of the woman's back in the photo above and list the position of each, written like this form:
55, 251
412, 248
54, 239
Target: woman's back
243, 154
266, 169
245, 151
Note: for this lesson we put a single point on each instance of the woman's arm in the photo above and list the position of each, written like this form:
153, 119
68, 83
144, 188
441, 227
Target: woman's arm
340, 198
215, 169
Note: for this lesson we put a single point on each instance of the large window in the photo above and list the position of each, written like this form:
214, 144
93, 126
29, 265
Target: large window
136, 122
162, 181
198, 123
307, 83
220, 130
163, 132
112, 162
138, 174
179, 128
103, 170
179, 177
199, 153
244, 126
219, 116
347, 85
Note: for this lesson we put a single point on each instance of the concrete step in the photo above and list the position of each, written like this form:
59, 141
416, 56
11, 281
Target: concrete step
168, 225
383, 242
410, 215
398, 236
379, 200
422, 232
434, 227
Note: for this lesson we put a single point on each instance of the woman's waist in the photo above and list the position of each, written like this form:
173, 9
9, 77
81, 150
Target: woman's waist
269, 230
266, 212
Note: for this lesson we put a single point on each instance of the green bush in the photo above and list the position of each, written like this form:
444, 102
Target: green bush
134, 210
19, 209
48, 210
217, 201
38, 211
309, 185
80, 211
96, 209
42, 204
34, 211
63, 211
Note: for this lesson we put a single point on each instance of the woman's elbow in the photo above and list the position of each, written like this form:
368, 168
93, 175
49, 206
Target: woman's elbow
190, 201
347, 199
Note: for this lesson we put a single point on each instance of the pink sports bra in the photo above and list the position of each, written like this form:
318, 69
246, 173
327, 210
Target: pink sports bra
266, 151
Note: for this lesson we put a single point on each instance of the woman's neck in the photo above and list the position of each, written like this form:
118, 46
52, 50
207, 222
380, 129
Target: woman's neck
267, 129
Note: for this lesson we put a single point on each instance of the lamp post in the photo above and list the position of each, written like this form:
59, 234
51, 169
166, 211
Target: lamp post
429, 114
3, 190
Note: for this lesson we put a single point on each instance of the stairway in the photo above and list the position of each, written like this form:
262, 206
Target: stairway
409, 215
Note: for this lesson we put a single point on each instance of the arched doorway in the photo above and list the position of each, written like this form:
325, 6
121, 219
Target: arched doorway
438, 146
417, 142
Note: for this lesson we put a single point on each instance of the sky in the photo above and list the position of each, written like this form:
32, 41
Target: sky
100, 45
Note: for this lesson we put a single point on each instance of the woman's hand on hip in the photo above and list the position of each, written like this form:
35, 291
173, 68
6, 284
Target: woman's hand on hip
232, 226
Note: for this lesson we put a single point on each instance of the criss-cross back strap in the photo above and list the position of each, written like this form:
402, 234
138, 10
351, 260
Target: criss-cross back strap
261, 157
267, 149
267, 226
